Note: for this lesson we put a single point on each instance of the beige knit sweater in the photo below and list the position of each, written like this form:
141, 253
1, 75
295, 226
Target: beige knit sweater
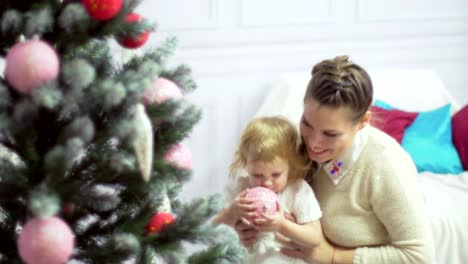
377, 208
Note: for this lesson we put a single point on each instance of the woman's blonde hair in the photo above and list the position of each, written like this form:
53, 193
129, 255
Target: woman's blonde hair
268, 138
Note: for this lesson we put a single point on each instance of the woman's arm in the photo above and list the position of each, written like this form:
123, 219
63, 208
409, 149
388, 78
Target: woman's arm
342, 255
306, 235
400, 209
398, 204
247, 234
324, 253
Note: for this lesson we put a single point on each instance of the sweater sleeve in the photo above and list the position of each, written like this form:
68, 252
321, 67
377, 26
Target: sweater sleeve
398, 204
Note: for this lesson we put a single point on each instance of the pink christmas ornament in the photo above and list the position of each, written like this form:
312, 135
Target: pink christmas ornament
161, 91
265, 200
45, 241
30, 64
179, 156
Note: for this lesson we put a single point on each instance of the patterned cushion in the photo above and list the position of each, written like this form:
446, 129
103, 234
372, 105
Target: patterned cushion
393, 122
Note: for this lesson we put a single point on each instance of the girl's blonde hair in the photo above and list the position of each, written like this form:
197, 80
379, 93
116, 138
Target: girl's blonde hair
268, 138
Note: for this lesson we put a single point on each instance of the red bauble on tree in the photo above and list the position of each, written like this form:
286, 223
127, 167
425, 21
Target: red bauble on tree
135, 41
30, 64
160, 91
159, 221
45, 241
68, 208
179, 156
102, 9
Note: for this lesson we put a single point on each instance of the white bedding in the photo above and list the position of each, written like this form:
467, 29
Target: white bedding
446, 199
446, 196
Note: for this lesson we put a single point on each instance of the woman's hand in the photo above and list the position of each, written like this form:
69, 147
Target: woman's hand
247, 234
323, 253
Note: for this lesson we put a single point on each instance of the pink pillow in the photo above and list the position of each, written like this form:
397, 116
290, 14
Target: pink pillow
393, 122
460, 134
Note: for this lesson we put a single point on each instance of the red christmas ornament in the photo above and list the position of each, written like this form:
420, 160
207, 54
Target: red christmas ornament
159, 221
135, 41
102, 9
68, 208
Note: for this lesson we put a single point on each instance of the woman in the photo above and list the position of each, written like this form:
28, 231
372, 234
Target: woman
364, 181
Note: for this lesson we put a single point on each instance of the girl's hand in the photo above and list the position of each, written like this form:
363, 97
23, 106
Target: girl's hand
242, 208
247, 234
290, 217
270, 223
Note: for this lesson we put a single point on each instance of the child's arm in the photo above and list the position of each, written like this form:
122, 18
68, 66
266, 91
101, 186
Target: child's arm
240, 208
307, 235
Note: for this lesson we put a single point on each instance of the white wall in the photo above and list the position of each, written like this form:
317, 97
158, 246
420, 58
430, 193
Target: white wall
236, 47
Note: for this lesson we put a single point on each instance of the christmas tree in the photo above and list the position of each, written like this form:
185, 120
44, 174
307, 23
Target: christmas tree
91, 156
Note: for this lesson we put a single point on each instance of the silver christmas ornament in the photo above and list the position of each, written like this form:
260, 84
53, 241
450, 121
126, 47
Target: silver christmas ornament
143, 141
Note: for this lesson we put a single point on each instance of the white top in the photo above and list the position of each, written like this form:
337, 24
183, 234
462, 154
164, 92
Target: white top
297, 199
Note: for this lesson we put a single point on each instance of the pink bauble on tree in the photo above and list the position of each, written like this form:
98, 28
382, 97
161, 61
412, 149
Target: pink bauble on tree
30, 64
45, 241
135, 41
265, 200
179, 156
102, 9
160, 91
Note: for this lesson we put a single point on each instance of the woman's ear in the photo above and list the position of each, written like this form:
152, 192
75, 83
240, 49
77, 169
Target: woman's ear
365, 120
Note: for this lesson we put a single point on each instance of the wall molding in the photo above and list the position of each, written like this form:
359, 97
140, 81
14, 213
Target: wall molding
283, 14
403, 11
186, 15
283, 57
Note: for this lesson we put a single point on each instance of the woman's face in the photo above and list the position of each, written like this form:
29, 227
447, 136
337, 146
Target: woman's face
328, 132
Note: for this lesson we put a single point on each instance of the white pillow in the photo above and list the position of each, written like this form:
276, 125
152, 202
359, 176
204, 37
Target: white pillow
412, 90
407, 89
286, 97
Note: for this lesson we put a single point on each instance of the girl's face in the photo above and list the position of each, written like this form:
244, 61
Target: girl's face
272, 175
328, 132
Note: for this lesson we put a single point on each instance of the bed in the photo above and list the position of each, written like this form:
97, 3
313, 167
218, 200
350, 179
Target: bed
417, 90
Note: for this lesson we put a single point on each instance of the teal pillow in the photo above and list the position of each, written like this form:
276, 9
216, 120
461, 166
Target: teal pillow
428, 140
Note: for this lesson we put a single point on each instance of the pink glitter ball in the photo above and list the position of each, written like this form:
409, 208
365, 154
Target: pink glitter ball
45, 241
161, 91
179, 156
30, 64
265, 200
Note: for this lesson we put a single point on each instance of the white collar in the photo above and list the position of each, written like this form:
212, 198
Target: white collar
336, 169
